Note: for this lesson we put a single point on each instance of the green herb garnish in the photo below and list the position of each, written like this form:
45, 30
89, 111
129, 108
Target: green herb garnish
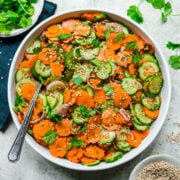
77, 80
50, 136
77, 142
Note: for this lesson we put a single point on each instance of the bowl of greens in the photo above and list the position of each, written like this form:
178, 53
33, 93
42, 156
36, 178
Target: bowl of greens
17, 16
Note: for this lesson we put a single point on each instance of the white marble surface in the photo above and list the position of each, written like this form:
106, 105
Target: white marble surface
34, 167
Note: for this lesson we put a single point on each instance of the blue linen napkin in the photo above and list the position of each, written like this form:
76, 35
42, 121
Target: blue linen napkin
8, 47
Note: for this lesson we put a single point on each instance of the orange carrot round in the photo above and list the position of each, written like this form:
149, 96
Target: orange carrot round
63, 128
152, 114
75, 154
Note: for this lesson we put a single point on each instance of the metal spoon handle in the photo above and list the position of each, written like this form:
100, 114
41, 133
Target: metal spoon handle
15, 150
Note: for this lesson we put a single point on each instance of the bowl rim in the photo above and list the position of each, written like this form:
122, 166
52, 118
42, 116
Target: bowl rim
168, 98
150, 159
35, 17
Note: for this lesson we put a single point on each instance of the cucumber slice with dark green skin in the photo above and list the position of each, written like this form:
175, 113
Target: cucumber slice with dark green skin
148, 68
89, 90
92, 164
89, 54
107, 137
149, 57
114, 67
151, 103
36, 44
22, 74
155, 85
114, 157
100, 17
78, 117
123, 146
103, 71
140, 115
131, 85
81, 71
41, 69
52, 101
140, 127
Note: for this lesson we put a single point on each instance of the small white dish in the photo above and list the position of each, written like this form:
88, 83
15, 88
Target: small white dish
150, 159
38, 7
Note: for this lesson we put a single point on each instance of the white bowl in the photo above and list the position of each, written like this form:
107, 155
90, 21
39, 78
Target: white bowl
166, 91
150, 159
37, 11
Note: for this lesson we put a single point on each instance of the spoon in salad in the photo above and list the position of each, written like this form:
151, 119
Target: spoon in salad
15, 150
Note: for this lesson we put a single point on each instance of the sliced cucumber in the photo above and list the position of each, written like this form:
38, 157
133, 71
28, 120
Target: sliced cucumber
36, 44
89, 54
103, 71
86, 41
92, 164
100, 17
149, 57
22, 74
60, 99
151, 103
44, 99
108, 104
114, 67
89, 90
78, 117
155, 85
81, 71
114, 157
52, 101
107, 137
41, 69
140, 127
131, 85
148, 68
140, 115
123, 146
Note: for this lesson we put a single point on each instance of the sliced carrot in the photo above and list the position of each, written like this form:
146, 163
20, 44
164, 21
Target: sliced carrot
84, 99
41, 128
96, 119
81, 30
138, 95
145, 133
152, 114
87, 161
111, 42
108, 155
95, 81
94, 152
31, 57
28, 90
120, 120
131, 69
100, 30
59, 147
138, 139
57, 69
47, 55
38, 108
75, 154
124, 58
109, 117
99, 96
89, 16
20, 117
70, 23
66, 47
67, 95
63, 128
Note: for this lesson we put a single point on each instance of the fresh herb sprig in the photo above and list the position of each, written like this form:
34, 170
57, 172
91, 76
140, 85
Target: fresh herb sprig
174, 60
15, 14
165, 8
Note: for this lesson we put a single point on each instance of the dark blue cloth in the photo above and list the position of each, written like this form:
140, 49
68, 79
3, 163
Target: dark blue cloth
8, 47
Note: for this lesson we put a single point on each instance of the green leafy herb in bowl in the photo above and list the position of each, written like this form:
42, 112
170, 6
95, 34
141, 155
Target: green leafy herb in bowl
18, 14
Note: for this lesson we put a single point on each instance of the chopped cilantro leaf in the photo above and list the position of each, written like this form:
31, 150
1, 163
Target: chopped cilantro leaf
174, 61
172, 45
108, 90
77, 142
50, 136
77, 80
137, 58
132, 45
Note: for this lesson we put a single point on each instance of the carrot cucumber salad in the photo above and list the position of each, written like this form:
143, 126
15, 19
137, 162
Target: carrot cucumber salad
101, 89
